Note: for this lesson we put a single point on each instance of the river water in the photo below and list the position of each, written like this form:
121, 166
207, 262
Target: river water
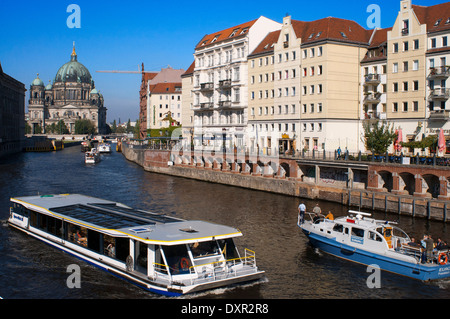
30, 269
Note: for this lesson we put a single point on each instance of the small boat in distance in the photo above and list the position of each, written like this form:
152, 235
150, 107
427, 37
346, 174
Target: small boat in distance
159, 253
92, 157
368, 241
104, 148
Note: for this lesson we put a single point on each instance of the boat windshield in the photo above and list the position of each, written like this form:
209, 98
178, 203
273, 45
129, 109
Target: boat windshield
205, 249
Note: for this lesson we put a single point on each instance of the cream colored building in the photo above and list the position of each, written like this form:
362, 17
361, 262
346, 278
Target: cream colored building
220, 80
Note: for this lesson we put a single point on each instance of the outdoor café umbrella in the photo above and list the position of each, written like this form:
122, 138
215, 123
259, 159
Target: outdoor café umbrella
397, 145
441, 142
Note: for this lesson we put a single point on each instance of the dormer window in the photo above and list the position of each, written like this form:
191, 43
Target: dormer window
234, 32
244, 30
319, 34
215, 39
448, 21
311, 36
204, 42
344, 35
437, 22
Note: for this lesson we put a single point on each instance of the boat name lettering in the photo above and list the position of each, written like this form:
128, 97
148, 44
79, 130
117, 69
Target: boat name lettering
18, 217
444, 270
358, 240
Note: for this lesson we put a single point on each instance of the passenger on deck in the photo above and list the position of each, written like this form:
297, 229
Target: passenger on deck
413, 243
329, 216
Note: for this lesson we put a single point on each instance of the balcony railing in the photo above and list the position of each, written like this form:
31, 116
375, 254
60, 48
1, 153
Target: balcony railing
439, 72
207, 86
372, 97
405, 31
373, 78
225, 83
439, 115
440, 94
207, 105
224, 104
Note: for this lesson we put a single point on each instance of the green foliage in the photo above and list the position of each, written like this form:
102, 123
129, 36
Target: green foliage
163, 132
378, 136
428, 142
84, 126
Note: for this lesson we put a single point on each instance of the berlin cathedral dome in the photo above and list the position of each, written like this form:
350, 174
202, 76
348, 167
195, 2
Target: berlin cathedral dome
72, 96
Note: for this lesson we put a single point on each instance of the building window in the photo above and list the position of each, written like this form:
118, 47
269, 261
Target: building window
416, 44
416, 106
395, 48
433, 43
405, 66
395, 68
416, 65
405, 46
416, 85
405, 106
395, 107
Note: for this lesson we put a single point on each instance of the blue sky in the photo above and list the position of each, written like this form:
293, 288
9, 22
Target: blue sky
120, 35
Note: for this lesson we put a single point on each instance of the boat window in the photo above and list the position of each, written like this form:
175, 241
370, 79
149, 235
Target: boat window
109, 246
358, 232
204, 249
228, 248
77, 235
33, 219
93, 240
42, 222
177, 258
374, 236
122, 248
338, 228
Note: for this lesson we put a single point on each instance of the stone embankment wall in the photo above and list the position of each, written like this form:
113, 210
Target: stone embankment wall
157, 161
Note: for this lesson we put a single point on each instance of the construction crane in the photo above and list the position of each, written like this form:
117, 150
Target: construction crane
128, 72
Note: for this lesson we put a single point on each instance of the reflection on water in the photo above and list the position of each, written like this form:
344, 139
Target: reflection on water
31, 269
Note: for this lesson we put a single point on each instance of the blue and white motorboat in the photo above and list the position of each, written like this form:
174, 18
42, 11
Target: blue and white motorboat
368, 241
159, 253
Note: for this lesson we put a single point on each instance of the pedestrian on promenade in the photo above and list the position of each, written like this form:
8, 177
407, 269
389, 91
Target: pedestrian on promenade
301, 210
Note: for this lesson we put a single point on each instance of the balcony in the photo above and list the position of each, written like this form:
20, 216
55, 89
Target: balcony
225, 84
207, 105
442, 72
372, 97
405, 31
372, 79
204, 87
439, 115
225, 104
440, 94
375, 115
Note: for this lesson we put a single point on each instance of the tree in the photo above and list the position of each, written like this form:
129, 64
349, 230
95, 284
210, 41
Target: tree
137, 129
84, 126
61, 128
378, 136
114, 127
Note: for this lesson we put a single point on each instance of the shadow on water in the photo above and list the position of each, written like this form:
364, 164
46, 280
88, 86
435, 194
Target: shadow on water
294, 270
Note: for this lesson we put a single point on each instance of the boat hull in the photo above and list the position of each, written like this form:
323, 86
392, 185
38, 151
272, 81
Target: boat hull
416, 270
169, 291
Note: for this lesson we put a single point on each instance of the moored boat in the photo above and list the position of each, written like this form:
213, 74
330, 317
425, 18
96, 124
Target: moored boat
159, 253
368, 241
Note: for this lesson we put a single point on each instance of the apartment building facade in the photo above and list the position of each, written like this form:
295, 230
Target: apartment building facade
276, 88
220, 83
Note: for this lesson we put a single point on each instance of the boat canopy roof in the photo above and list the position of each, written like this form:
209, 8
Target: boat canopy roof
112, 217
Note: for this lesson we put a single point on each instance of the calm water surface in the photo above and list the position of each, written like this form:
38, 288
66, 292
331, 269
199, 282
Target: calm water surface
30, 269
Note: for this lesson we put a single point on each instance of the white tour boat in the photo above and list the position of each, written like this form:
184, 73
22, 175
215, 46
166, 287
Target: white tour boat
368, 241
104, 148
92, 156
159, 253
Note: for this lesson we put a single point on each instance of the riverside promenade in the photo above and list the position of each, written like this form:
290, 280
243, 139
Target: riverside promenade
415, 190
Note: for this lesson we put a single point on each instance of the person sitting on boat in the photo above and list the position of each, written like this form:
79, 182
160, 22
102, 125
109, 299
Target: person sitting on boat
413, 243
316, 218
329, 216
80, 239
111, 250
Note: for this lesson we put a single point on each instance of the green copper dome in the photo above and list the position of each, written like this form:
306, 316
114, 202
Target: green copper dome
37, 82
73, 71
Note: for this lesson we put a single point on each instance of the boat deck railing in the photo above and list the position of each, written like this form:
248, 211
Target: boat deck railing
210, 272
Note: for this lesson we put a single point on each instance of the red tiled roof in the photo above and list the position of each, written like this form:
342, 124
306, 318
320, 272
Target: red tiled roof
226, 34
266, 45
430, 16
146, 76
380, 37
190, 70
165, 88
331, 29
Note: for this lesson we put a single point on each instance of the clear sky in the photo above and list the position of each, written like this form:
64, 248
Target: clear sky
120, 35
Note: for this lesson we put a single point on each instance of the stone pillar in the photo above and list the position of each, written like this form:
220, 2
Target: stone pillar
317, 174
395, 183
372, 181
419, 187
443, 191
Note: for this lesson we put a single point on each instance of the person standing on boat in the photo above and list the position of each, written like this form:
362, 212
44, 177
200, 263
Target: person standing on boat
427, 243
301, 211
317, 210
